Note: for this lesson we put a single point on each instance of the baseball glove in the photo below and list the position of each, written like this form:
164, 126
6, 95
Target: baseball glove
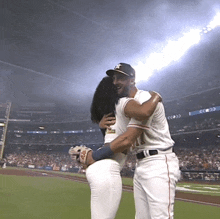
79, 153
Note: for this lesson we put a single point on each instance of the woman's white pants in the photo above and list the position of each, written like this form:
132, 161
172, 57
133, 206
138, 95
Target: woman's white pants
106, 188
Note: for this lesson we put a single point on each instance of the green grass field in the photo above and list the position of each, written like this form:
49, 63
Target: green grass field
47, 197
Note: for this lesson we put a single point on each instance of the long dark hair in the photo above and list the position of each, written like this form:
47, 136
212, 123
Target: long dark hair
104, 99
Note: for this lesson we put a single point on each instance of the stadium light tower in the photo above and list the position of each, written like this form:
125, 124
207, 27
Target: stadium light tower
3, 137
173, 51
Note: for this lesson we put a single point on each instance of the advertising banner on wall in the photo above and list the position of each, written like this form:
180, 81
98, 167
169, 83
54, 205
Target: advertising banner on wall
56, 168
31, 166
48, 168
64, 168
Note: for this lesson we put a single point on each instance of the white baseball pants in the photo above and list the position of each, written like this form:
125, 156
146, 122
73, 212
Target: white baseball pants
106, 188
154, 186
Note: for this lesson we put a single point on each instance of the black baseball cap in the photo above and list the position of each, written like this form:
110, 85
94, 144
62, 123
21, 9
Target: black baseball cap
122, 68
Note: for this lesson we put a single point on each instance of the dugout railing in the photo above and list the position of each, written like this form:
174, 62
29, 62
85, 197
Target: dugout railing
200, 175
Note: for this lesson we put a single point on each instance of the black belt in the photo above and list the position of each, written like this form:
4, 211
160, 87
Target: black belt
142, 155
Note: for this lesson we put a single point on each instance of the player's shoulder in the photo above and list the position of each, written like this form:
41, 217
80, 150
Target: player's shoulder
122, 102
142, 95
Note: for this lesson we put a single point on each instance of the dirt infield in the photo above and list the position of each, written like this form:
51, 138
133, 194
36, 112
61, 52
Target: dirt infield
182, 196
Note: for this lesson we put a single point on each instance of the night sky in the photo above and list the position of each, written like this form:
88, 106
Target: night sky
57, 51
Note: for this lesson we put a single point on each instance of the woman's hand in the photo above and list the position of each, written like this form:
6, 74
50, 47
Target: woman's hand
106, 121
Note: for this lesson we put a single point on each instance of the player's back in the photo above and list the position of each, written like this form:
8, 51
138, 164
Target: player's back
158, 134
156, 129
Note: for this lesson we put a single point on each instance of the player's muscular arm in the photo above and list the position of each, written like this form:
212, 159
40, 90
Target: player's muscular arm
125, 140
142, 111
120, 144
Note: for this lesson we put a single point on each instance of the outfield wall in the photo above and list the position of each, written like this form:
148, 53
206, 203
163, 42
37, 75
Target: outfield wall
186, 175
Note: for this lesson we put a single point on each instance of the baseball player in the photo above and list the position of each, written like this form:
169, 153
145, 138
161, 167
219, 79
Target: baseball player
157, 167
104, 175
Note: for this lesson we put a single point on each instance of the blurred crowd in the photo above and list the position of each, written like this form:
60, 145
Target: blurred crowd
40, 159
189, 125
94, 136
49, 114
200, 158
191, 160
43, 140
61, 139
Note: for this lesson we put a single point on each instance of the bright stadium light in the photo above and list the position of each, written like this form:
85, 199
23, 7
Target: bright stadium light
215, 22
173, 51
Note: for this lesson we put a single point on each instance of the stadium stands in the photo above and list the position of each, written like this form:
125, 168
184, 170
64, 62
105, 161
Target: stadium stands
42, 137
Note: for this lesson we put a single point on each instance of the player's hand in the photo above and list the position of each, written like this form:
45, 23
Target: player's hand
80, 154
106, 121
153, 93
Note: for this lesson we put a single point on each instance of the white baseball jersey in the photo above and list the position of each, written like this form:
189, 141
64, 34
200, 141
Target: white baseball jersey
156, 133
118, 128
121, 121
